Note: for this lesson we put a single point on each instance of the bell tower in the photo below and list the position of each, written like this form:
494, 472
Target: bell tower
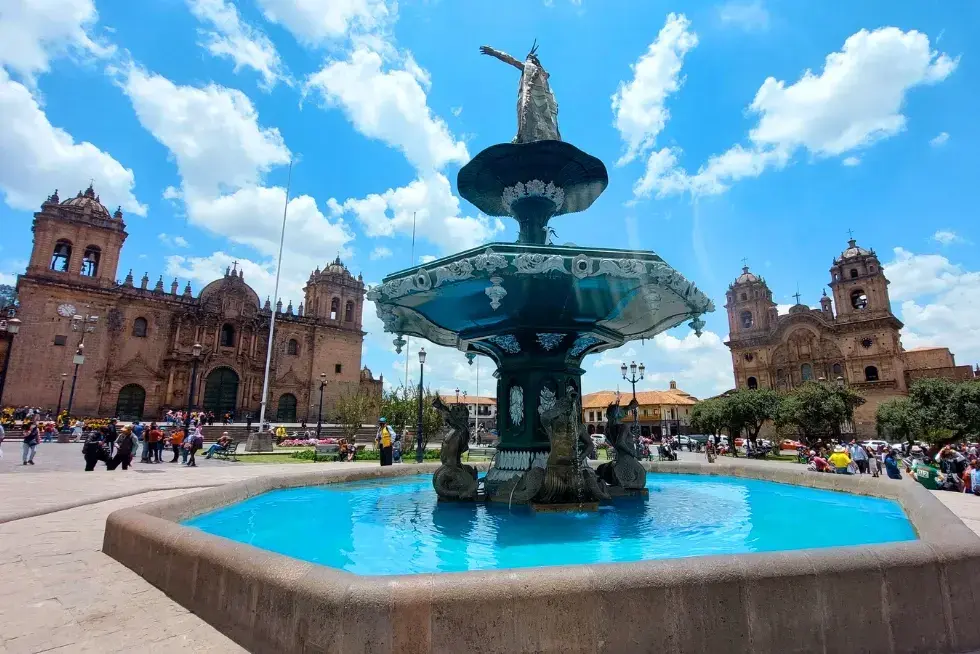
859, 285
335, 296
77, 240
750, 306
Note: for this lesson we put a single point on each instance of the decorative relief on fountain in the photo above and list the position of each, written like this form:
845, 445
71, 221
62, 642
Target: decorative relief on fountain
581, 266
549, 341
625, 268
539, 264
495, 292
489, 261
453, 272
532, 189
516, 406
567, 476
546, 399
625, 472
582, 343
506, 342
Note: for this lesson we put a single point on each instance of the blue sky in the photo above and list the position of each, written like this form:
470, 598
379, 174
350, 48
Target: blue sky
756, 129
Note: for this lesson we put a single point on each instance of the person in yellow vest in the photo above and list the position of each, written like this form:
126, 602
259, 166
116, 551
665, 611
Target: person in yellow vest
280, 434
384, 439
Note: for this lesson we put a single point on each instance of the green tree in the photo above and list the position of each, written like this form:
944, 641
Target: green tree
897, 418
706, 417
946, 411
817, 410
752, 408
353, 409
8, 295
400, 408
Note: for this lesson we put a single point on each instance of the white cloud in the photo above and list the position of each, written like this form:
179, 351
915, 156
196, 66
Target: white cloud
429, 203
457, 111
638, 105
316, 22
231, 38
36, 157
939, 139
173, 241
222, 154
851, 161
213, 132
853, 103
380, 253
947, 237
8, 279
32, 32
750, 16
427, 258
389, 104
939, 306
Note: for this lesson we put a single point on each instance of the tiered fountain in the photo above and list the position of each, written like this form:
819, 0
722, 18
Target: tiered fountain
537, 310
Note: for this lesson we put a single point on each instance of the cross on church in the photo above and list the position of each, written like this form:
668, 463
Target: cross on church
850, 234
745, 262
234, 265
797, 296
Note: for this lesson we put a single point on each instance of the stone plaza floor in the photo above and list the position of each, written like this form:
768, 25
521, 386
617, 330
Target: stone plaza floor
60, 593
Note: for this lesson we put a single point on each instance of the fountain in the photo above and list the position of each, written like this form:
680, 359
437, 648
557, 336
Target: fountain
537, 309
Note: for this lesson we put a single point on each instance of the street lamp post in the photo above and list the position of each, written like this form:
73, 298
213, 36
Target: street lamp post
12, 326
419, 454
195, 357
632, 379
457, 395
61, 394
319, 411
85, 325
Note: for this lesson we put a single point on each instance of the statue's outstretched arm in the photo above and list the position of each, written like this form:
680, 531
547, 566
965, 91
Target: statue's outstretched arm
502, 56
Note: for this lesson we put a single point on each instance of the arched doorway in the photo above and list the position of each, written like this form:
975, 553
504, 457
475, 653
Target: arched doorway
130, 404
287, 408
221, 391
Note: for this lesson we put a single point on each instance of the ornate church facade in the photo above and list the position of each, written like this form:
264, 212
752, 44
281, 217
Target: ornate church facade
853, 338
138, 341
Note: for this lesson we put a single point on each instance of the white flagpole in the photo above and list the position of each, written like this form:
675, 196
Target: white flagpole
272, 317
410, 264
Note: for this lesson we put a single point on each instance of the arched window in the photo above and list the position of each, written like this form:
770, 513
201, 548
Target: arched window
286, 411
753, 383
780, 378
744, 297
90, 261
227, 336
870, 374
838, 370
139, 328
859, 300
806, 372
746, 318
292, 347
854, 273
61, 257
334, 308
349, 311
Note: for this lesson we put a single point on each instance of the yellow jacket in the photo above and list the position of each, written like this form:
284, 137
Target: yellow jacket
839, 460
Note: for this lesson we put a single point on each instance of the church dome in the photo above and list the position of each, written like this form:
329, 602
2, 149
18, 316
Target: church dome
799, 308
853, 250
746, 276
88, 203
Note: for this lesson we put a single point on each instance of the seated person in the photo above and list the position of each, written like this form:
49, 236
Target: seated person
821, 464
891, 465
974, 472
839, 459
220, 446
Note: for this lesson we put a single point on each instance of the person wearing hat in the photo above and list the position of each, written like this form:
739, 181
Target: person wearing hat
891, 465
839, 459
384, 439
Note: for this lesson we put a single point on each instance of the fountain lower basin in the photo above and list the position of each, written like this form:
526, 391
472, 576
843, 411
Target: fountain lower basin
913, 595
397, 526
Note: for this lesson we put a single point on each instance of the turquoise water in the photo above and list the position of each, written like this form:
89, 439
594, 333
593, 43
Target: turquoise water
395, 526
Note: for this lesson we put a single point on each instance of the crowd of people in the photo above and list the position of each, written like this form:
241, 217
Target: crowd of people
118, 447
177, 417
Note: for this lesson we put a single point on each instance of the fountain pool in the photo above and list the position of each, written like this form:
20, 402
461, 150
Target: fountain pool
397, 526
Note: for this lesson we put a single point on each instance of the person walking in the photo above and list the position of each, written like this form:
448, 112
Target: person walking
197, 442
155, 438
3, 435
124, 450
860, 456
383, 441
94, 451
31, 438
76, 430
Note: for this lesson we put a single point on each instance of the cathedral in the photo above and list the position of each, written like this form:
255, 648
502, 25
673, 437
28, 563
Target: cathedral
853, 338
137, 345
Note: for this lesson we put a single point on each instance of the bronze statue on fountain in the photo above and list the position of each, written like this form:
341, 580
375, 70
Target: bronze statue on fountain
453, 480
624, 471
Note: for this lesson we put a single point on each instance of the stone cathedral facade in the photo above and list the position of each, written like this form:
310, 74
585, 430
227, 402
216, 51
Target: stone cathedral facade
853, 338
138, 358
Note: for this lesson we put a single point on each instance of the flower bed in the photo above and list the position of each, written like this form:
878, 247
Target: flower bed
306, 442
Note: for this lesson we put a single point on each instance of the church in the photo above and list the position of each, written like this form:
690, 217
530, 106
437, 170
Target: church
853, 338
138, 344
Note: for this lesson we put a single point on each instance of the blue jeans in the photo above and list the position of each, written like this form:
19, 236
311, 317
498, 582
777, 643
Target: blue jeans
214, 448
28, 452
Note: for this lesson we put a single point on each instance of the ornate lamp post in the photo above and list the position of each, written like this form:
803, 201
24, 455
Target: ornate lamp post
195, 358
85, 325
12, 326
419, 454
319, 411
61, 393
632, 379
457, 395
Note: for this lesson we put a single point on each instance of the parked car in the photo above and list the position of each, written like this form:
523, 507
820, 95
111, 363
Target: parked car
874, 443
790, 444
